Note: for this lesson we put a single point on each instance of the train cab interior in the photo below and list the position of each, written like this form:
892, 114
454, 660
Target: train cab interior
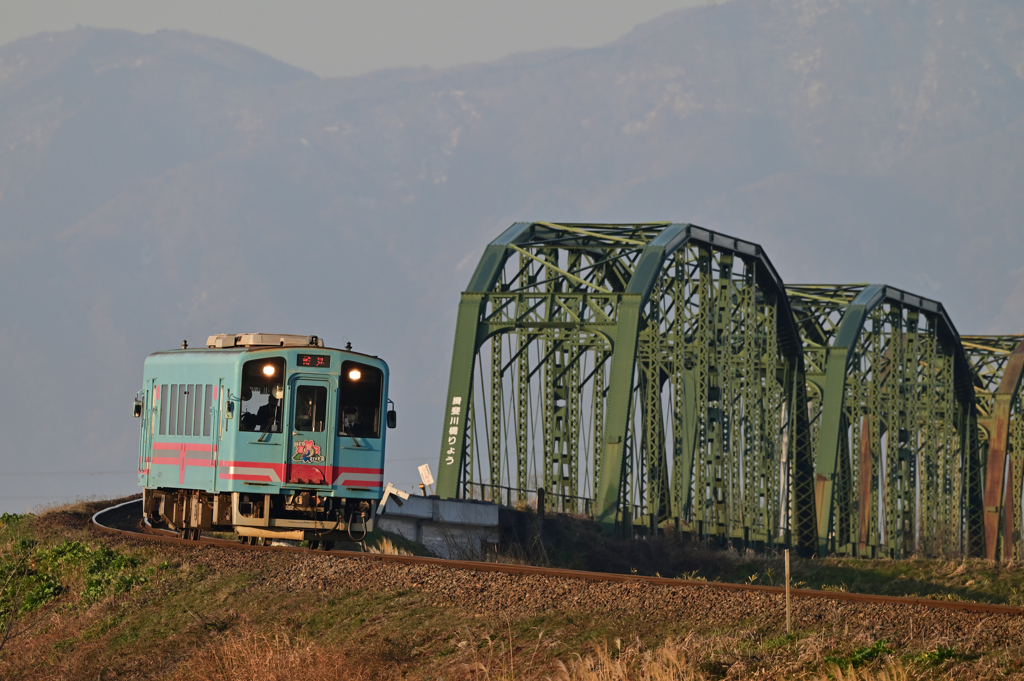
359, 400
262, 395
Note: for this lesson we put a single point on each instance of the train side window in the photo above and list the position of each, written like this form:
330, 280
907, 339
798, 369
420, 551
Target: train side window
197, 415
163, 409
260, 410
359, 400
310, 408
190, 391
208, 414
182, 407
173, 416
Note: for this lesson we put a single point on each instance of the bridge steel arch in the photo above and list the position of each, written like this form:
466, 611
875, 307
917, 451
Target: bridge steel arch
660, 376
893, 424
645, 374
998, 365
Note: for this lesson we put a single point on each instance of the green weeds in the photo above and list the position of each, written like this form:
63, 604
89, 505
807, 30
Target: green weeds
40, 576
858, 657
841, 587
933, 658
9, 519
780, 641
110, 572
44, 588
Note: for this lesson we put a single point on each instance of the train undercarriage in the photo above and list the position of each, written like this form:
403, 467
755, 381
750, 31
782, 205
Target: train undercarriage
260, 518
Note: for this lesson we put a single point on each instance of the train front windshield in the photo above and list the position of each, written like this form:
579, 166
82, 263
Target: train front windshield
310, 408
359, 400
262, 382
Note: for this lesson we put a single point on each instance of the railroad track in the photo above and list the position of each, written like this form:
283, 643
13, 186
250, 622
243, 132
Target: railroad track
167, 537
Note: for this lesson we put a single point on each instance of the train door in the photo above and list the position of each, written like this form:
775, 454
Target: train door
195, 427
217, 430
312, 431
206, 395
149, 418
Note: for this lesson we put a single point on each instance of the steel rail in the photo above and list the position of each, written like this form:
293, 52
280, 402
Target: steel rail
168, 537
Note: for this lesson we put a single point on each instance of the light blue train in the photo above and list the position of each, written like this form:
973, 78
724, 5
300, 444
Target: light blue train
266, 435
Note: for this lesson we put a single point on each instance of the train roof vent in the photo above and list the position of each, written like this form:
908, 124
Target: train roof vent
249, 340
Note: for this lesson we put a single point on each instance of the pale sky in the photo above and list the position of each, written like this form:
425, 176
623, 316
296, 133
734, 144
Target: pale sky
335, 38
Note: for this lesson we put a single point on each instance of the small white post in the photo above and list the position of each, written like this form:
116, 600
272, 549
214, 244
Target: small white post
789, 608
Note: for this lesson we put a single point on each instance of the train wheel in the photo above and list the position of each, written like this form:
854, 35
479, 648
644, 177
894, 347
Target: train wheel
314, 544
243, 539
327, 545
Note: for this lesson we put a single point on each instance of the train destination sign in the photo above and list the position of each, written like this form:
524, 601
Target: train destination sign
318, 361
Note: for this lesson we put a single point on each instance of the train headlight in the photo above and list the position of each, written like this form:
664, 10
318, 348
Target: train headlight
354, 375
268, 370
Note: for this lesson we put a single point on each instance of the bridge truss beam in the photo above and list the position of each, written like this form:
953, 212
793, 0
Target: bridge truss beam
998, 365
645, 374
660, 376
890, 401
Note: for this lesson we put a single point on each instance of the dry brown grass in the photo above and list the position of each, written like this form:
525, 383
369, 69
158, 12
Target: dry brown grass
890, 671
80, 506
671, 661
683, 661
59, 650
249, 653
692, 659
62, 517
386, 547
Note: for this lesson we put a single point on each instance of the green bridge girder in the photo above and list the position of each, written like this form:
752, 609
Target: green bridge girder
661, 377
892, 409
998, 365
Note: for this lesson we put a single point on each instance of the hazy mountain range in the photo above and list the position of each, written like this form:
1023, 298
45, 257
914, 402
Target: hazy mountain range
155, 188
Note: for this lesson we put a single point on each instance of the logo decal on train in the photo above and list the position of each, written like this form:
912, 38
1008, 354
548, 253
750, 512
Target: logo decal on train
308, 452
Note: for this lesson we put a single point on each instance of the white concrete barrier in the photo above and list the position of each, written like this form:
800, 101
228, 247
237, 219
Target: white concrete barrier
449, 528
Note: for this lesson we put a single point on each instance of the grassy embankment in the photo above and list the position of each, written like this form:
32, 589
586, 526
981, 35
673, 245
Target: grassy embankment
93, 607
577, 544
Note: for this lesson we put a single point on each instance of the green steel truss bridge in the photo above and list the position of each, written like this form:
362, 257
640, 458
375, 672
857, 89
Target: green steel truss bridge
663, 378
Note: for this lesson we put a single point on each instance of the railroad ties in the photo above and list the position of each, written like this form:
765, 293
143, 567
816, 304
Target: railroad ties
661, 377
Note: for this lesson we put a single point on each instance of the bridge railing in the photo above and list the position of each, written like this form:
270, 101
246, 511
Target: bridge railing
511, 496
